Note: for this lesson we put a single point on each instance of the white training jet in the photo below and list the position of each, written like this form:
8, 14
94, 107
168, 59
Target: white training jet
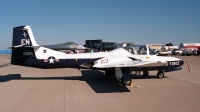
119, 62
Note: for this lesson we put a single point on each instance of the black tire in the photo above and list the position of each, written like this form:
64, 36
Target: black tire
126, 83
160, 75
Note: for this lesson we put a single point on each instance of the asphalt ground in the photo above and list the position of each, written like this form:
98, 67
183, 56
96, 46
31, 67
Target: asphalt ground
25, 89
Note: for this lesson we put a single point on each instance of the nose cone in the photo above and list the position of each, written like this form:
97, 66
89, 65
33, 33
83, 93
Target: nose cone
181, 62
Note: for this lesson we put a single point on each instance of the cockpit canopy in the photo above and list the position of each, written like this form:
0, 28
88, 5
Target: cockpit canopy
140, 50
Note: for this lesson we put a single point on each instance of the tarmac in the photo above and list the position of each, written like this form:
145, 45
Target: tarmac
26, 89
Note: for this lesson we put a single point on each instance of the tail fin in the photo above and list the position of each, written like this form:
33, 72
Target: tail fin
23, 44
25, 49
23, 36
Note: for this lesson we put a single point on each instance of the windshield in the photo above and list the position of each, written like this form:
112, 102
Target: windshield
71, 43
140, 50
152, 52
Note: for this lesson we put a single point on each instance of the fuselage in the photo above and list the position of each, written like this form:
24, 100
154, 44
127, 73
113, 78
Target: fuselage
47, 58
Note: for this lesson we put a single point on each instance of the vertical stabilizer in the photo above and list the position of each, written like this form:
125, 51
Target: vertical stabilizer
23, 36
22, 44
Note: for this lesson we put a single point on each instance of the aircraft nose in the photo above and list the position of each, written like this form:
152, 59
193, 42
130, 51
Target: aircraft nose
181, 62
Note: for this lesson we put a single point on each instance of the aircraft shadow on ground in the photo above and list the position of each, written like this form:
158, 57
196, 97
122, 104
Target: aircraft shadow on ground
145, 77
5, 65
95, 79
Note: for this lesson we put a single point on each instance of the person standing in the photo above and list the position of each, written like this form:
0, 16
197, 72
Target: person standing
92, 50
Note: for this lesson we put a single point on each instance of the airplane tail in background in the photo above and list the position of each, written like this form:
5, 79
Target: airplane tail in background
23, 36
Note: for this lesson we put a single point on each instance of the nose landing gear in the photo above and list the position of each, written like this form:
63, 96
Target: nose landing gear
160, 74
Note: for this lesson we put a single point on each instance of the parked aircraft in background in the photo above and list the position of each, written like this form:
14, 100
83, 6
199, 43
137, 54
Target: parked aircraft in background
119, 62
66, 46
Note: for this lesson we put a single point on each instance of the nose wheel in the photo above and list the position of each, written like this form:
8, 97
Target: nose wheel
160, 75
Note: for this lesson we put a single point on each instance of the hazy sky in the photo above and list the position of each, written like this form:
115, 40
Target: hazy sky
138, 21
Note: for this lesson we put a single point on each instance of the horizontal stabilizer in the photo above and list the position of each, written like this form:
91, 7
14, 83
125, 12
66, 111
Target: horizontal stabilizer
17, 46
21, 46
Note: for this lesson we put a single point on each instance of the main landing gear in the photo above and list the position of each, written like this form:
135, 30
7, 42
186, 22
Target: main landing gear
122, 74
126, 82
126, 79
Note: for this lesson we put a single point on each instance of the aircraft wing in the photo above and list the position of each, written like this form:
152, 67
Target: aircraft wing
124, 61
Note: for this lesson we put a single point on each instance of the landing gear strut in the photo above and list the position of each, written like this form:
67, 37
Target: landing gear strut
145, 73
160, 74
123, 74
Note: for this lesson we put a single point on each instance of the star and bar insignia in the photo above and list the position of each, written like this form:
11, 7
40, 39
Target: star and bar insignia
51, 60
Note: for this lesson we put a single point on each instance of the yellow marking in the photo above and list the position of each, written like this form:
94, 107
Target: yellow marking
132, 85
147, 57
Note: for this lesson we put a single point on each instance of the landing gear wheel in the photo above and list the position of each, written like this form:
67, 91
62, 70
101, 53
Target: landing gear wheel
160, 75
126, 82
